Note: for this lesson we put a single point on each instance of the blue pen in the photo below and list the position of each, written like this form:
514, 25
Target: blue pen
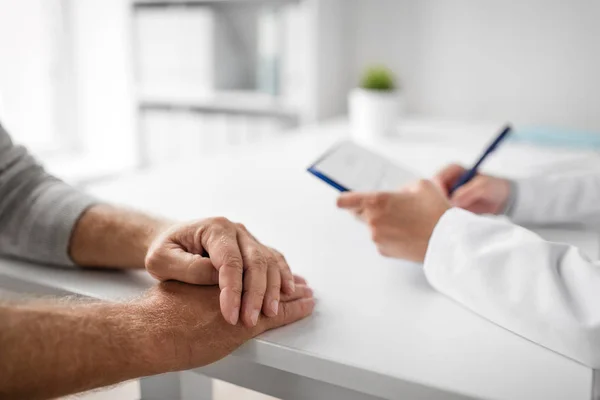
470, 174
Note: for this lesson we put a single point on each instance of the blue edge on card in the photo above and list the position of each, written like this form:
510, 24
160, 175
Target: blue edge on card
327, 179
313, 170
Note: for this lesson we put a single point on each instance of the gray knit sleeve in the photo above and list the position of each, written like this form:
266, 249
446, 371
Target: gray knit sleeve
37, 211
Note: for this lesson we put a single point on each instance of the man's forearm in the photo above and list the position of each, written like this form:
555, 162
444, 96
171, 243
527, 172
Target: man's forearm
107, 236
45, 220
54, 350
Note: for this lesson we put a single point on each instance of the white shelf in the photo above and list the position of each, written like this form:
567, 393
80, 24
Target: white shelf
169, 3
226, 102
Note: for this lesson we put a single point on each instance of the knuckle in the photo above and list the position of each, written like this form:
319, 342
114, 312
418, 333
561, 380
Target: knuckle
236, 290
277, 254
272, 260
234, 262
274, 287
154, 267
254, 292
221, 221
258, 260
281, 259
153, 259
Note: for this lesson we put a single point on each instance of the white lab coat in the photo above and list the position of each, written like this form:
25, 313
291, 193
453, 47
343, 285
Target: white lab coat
546, 292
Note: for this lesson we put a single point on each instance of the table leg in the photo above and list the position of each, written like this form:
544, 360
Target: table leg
596, 388
176, 386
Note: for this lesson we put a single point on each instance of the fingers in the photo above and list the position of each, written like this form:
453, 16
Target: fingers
220, 241
469, 194
270, 305
290, 312
363, 205
256, 267
302, 291
279, 277
288, 284
298, 280
352, 200
446, 178
168, 261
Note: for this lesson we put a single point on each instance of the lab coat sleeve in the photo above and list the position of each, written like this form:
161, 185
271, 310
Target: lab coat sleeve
546, 292
571, 198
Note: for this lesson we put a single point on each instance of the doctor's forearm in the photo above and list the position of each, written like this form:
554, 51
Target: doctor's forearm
545, 292
571, 198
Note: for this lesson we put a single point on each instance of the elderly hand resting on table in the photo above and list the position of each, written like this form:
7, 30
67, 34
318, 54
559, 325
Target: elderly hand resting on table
402, 222
213, 251
218, 251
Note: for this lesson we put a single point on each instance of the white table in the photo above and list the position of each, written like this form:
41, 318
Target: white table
379, 331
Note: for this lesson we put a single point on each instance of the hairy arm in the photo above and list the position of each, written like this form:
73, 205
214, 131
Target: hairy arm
51, 350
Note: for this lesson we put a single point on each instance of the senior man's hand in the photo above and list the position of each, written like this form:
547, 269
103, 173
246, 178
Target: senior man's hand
213, 251
401, 222
186, 323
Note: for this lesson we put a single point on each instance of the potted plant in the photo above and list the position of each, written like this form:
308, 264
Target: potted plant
374, 106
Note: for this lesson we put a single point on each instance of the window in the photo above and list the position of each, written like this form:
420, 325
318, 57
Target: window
35, 78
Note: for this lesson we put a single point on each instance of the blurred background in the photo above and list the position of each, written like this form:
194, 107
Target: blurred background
97, 88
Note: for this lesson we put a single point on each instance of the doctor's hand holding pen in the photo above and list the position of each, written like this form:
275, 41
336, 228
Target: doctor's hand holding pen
402, 222
484, 194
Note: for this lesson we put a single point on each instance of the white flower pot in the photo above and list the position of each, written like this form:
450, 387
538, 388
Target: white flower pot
373, 113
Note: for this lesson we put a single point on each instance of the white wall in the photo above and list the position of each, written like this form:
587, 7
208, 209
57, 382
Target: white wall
528, 61
331, 69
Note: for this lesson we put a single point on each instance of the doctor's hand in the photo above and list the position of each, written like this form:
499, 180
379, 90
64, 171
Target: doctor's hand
251, 276
401, 222
484, 194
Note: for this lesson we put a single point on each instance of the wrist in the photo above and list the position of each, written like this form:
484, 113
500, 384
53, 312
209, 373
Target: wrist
511, 199
150, 342
107, 236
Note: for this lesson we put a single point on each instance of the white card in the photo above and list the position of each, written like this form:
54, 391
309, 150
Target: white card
349, 166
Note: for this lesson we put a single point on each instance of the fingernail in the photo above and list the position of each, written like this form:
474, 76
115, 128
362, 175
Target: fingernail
235, 315
275, 306
309, 292
292, 285
254, 317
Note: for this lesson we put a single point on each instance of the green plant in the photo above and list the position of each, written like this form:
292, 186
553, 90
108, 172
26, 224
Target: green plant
378, 78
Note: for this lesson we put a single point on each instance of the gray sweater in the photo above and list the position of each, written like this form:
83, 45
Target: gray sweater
37, 211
